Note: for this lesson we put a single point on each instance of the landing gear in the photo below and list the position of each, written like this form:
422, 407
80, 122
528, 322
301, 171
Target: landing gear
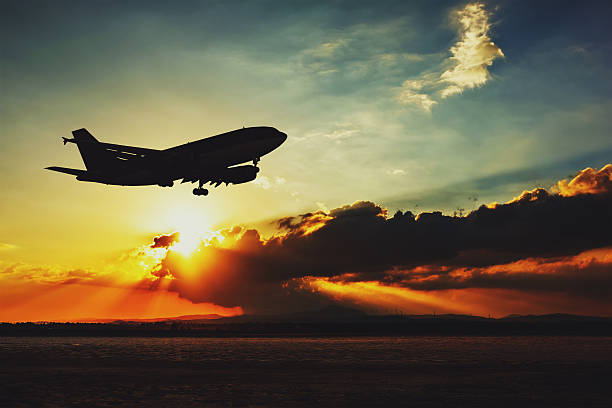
256, 160
200, 191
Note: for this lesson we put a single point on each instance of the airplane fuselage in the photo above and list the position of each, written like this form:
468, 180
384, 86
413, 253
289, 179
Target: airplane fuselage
210, 159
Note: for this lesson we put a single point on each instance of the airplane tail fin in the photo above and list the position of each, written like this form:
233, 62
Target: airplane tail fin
83, 135
94, 156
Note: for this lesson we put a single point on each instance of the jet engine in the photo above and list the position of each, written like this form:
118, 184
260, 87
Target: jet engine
230, 175
238, 174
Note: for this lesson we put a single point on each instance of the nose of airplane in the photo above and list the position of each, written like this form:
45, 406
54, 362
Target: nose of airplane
281, 137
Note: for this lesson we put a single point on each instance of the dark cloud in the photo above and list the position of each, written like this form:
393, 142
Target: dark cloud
164, 241
361, 242
590, 279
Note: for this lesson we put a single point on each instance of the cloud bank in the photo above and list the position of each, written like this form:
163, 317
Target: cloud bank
550, 247
542, 241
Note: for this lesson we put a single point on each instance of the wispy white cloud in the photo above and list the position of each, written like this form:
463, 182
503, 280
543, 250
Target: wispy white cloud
410, 95
269, 182
473, 53
466, 68
341, 133
578, 49
327, 49
263, 182
359, 50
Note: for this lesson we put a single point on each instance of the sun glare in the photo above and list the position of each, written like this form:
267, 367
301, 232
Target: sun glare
194, 231
189, 242
193, 227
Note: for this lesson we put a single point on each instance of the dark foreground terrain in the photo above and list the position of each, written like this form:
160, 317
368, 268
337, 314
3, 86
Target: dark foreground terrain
464, 371
328, 322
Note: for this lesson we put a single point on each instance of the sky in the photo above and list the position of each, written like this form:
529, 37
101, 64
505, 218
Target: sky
419, 107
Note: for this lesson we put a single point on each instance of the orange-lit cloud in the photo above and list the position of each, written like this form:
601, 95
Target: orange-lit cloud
305, 224
541, 242
378, 297
588, 274
588, 181
576, 284
31, 301
121, 289
551, 249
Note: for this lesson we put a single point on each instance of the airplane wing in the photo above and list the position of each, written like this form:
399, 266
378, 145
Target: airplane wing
74, 172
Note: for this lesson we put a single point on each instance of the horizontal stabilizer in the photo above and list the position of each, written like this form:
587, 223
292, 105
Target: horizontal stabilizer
74, 172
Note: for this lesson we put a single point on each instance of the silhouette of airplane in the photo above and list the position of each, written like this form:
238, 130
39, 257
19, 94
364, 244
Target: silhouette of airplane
206, 160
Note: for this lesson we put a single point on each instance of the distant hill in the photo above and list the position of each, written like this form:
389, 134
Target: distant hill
554, 317
337, 313
330, 321
192, 318
331, 312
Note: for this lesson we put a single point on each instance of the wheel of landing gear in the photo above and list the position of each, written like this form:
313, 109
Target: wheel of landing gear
200, 191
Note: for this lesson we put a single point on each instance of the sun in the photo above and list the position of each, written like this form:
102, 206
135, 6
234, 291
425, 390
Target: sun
188, 242
193, 228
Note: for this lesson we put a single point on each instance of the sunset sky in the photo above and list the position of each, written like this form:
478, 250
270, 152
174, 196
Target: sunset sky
497, 114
